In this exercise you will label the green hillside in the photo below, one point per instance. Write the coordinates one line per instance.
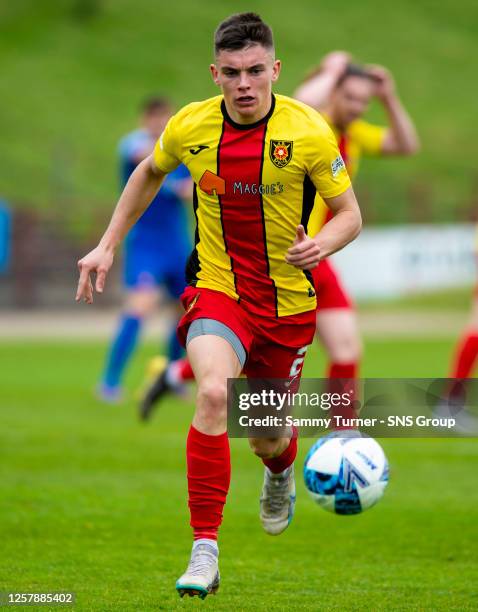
(74, 71)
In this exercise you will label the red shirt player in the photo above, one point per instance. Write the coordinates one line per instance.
(342, 91)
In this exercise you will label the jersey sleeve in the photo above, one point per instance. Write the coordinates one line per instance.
(369, 137)
(166, 152)
(324, 163)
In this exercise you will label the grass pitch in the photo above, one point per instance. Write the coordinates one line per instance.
(94, 502)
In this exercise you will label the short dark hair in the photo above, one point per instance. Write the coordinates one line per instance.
(355, 70)
(242, 30)
(154, 104)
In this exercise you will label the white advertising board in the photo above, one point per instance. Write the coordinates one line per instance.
(392, 262)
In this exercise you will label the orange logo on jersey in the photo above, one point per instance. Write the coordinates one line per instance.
(280, 152)
(212, 184)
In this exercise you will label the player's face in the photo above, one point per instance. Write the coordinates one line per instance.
(351, 99)
(155, 121)
(245, 77)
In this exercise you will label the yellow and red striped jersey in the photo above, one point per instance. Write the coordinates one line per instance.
(253, 185)
(359, 139)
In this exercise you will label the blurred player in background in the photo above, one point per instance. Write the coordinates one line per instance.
(462, 368)
(256, 160)
(467, 350)
(156, 248)
(341, 91)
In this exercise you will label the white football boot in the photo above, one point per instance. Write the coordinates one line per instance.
(277, 500)
(202, 576)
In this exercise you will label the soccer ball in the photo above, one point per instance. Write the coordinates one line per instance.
(346, 472)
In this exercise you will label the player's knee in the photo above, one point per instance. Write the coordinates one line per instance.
(346, 349)
(141, 304)
(139, 311)
(265, 448)
(212, 399)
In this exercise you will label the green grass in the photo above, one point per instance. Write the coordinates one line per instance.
(95, 503)
(70, 88)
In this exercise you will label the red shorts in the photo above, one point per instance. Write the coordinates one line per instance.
(328, 287)
(275, 348)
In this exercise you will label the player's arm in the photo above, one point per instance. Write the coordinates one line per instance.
(306, 252)
(401, 136)
(316, 90)
(345, 225)
(138, 193)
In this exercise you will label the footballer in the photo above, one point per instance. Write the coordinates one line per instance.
(342, 92)
(257, 160)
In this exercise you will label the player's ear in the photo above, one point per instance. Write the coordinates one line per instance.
(215, 73)
(276, 70)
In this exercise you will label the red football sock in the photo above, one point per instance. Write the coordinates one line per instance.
(286, 458)
(343, 370)
(209, 475)
(348, 372)
(185, 371)
(465, 357)
(179, 372)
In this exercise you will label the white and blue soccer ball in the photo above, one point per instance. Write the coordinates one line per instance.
(346, 472)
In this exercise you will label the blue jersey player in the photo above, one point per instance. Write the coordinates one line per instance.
(156, 248)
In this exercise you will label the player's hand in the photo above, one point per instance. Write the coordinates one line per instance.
(384, 83)
(305, 252)
(97, 261)
(335, 62)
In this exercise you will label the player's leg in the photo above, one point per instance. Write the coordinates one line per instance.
(175, 283)
(337, 326)
(466, 352)
(277, 501)
(139, 279)
(163, 377)
(173, 348)
(208, 458)
(338, 332)
(166, 375)
(217, 351)
(140, 302)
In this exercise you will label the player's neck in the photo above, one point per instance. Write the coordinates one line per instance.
(249, 119)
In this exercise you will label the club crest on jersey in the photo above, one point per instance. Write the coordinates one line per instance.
(280, 152)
